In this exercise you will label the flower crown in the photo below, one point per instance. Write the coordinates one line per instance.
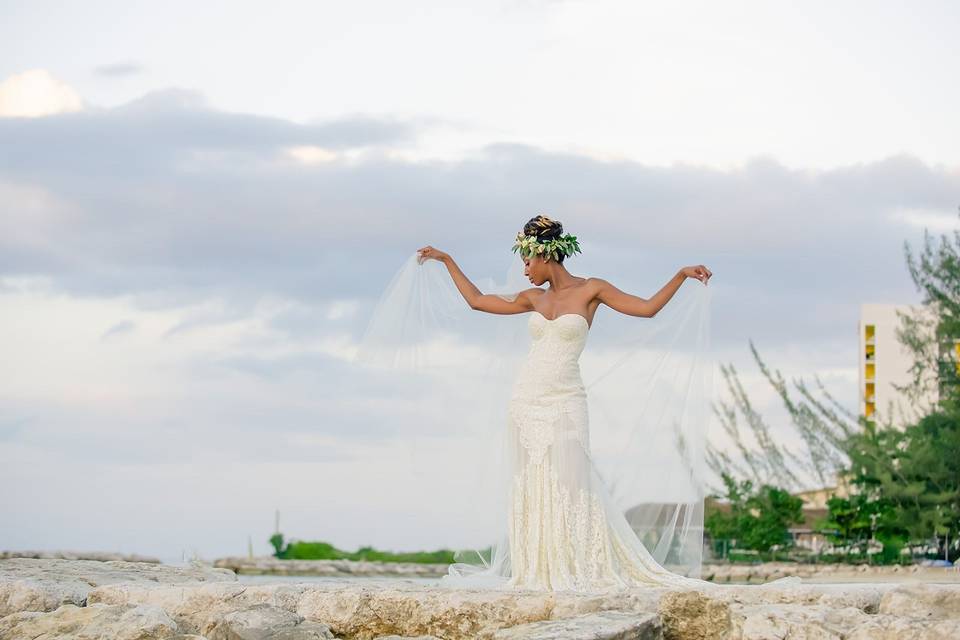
(530, 246)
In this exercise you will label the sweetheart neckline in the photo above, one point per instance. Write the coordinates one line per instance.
(579, 315)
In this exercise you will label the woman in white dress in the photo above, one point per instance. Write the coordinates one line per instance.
(563, 530)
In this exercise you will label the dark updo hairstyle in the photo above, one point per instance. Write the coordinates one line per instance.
(545, 229)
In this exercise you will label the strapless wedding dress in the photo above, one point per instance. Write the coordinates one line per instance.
(564, 531)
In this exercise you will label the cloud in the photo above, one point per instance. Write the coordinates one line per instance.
(936, 221)
(181, 206)
(118, 69)
(172, 131)
(176, 201)
(124, 326)
(310, 154)
(35, 93)
(186, 291)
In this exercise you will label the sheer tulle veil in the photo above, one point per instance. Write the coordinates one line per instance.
(649, 385)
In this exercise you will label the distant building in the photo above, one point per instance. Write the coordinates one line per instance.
(885, 362)
(817, 498)
(805, 535)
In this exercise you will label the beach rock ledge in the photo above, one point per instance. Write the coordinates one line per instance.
(54, 597)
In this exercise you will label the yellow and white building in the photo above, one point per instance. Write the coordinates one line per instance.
(885, 362)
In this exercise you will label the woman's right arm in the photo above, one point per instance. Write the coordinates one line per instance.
(489, 302)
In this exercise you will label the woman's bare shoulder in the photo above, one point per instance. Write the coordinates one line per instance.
(596, 283)
(533, 292)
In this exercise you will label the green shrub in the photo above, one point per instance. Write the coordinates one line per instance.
(304, 550)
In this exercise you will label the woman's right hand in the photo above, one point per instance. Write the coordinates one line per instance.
(428, 252)
(698, 271)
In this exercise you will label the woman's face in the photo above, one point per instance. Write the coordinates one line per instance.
(535, 269)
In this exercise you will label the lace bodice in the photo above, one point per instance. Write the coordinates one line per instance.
(552, 363)
(548, 394)
(576, 331)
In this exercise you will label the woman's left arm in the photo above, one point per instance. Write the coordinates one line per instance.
(635, 305)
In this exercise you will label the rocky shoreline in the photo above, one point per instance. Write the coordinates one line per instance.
(269, 565)
(719, 573)
(126, 600)
(101, 556)
(768, 571)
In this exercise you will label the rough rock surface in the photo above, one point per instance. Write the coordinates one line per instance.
(120, 621)
(172, 602)
(692, 615)
(718, 573)
(102, 556)
(354, 611)
(768, 571)
(28, 584)
(800, 621)
(268, 565)
(891, 628)
(922, 601)
(605, 625)
(264, 622)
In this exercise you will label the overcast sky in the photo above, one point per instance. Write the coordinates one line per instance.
(200, 203)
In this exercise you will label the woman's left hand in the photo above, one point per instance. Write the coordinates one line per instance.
(698, 271)
(428, 253)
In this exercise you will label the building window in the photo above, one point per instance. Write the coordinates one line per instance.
(870, 373)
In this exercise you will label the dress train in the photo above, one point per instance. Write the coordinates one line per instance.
(564, 531)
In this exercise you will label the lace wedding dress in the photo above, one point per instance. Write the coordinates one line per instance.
(502, 435)
(564, 531)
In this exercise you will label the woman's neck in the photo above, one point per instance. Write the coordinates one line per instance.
(560, 278)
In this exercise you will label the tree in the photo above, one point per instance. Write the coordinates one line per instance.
(773, 511)
(906, 478)
(277, 541)
(930, 332)
(854, 523)
(915, 468)
(911, 478)
(821, 424)
(755, 518)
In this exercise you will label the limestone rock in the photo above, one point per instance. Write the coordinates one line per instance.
(891, 628)
(355, 611)
(119, 622)
(605, 625)
(767, 571)
(212, 604)
(194, 606)
(931, 602)
(865, 597)
(448, 613)
(794, 621)
(264, 622)
(28, 584)
(101, 556)
(633, 599)
(269, 565)
(692, 615)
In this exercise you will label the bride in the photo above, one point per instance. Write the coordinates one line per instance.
(564, 530)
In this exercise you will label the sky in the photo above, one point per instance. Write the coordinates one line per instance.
(200, 205)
